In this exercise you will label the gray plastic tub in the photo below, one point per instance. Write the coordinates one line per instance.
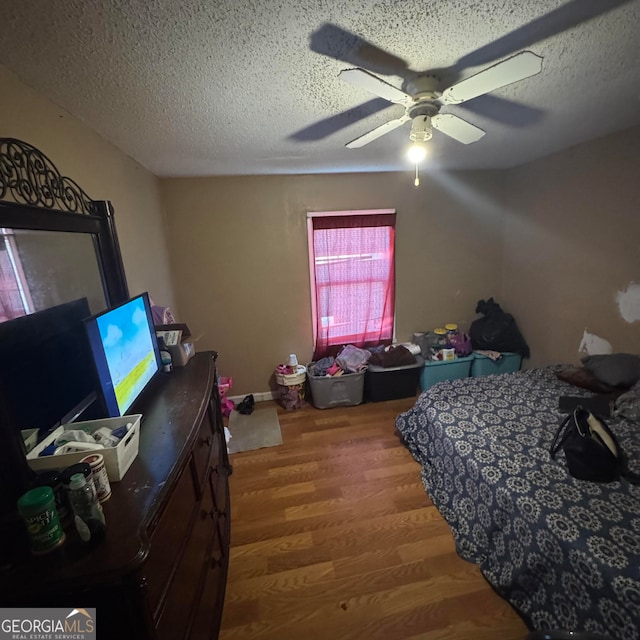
(346, 390)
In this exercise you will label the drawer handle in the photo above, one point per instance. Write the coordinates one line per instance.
(206, 441)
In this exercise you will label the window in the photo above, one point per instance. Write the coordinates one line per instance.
(15, 299)
(352, 278)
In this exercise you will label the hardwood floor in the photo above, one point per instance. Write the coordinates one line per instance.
(333, 537)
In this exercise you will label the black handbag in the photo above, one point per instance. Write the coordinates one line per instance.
(590, 448)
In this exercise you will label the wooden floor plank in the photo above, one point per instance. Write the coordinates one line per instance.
(334, 537)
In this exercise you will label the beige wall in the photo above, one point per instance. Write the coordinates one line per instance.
(554, 241)
(239, 253)
(104, 172)
(572, 242)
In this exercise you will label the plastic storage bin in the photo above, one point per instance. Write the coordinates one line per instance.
(484, 366)
(346, 390)
(117, 459)
(439, 370)
(391, 383)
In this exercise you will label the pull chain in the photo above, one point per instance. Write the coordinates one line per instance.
(416, 182)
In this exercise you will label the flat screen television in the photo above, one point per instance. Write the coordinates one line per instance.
(46, 369)
(125, 352)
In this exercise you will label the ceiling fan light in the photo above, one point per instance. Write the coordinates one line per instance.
(417, 152)
(421, 129)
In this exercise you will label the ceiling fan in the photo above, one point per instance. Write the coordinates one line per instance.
(423, 98)
(423, 94)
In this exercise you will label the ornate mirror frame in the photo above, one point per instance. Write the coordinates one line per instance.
(34, 195)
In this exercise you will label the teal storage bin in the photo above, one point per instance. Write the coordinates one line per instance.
(439, 370)
(484, 366)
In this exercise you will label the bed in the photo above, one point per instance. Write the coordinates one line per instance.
(564, 552)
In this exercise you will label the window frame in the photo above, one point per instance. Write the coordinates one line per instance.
(311, 253)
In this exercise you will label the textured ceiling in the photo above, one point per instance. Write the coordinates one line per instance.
(232, 86)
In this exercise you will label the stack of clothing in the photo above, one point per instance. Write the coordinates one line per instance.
(354, 360)
(395, 356)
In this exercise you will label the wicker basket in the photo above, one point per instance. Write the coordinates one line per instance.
(292, 379)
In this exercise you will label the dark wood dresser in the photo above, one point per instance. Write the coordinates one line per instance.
(162, 570)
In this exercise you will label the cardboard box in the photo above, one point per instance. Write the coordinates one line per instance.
(117, 460)
(180, 343)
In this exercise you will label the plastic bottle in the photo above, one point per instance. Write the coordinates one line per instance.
(88, 515)
(452, 330)
(38, 510)
(441, 342)
(52, 479)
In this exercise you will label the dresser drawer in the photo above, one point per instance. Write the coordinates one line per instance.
(168, 540)
(219, 485)
(202, 450)
(207, 619)
(183, 597)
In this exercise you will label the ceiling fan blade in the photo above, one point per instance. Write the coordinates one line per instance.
(327, 126)
(372, 83)
(569, 15)
(509, 112)
(457, 128)
(333, 41)
(377, 132)
(523, 65)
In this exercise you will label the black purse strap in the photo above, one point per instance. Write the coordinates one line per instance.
(558, 441)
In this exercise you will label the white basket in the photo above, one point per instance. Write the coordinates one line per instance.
(117, 459)
(292, 379)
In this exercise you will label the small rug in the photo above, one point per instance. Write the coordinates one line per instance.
(254, 431)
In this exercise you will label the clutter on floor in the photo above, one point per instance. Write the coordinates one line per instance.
(247, 405)
(291, 379)
(224, 386)
(392, 371)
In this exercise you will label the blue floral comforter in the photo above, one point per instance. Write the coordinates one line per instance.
(564, 552)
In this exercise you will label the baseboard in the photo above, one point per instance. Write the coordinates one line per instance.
(258, 397)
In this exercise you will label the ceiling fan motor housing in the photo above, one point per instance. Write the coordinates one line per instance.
(424, 92)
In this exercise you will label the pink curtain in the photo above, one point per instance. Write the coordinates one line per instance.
(354, 281)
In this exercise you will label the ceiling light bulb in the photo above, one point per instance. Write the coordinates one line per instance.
(417, 152)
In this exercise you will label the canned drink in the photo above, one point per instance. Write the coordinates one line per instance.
(37, 508)
(99, 474)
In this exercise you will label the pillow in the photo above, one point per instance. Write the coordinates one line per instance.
(583, 378)
(615, 369)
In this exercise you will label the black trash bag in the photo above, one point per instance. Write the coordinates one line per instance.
(497, 330)
(246, 406)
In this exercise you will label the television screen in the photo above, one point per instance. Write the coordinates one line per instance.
(125, 352)
(46, 369)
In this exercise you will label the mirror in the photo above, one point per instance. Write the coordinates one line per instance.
(68, 249)
(43, 269)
